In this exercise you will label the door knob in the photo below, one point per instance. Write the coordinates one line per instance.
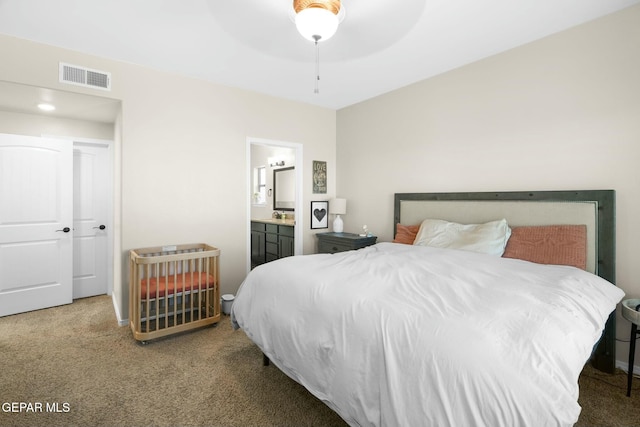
(102, 227)
(66, 229)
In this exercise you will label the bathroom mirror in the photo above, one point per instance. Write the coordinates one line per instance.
(284, 189)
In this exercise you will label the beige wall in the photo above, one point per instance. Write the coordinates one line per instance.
(182, 147)
(561, 113)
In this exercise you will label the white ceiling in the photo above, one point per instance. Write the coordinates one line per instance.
(25, 99)
(380, 46)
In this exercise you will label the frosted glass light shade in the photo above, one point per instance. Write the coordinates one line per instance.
(316, 21)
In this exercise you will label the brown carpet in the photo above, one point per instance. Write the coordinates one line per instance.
(90, 372)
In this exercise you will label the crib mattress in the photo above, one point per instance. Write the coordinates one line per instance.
(170, 285)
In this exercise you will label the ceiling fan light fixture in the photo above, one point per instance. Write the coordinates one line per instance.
(317, 20)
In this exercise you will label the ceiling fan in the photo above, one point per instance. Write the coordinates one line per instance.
(318, 20)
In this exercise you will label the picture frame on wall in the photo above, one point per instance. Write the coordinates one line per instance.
(319, 177)
(319, 214)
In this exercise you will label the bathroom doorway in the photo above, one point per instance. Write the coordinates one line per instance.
(263, 157)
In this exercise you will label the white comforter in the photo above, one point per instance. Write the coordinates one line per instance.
(400, 335)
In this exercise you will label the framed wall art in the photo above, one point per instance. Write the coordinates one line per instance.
(319, 214)
(319, 177)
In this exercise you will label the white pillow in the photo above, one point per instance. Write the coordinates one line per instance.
(489, 238)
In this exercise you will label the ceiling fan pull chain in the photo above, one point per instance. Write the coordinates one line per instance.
(316, 89)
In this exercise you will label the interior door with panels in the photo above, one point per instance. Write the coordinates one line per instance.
(36, 215)
(90, 217)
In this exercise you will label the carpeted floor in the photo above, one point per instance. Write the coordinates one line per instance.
(78, 356)
(86, 371)
(604, 400)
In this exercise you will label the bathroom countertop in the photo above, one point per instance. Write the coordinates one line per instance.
(290, 222)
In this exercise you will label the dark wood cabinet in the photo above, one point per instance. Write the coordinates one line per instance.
(270, 242)
(285, 242)
(258, 248)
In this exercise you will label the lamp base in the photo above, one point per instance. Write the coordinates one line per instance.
(338, 225)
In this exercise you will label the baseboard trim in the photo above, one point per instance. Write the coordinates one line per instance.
(121, 321)
(625, 367)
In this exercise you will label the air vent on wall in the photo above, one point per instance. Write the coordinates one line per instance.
(82, 76)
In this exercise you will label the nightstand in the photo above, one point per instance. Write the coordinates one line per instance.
(329, 243)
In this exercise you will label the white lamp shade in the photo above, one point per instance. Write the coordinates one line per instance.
(316, 21)
(338, 206)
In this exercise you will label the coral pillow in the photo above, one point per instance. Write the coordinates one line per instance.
(406, 233)
(549, 244)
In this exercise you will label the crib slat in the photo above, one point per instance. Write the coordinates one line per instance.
(175, 294)
(147, 303)
(183, 298)
(191, 274)
(170, 296)
(216, 292)
(195, 294)
(156, 299)
(183, 275)
(202, 287)
(204, 295)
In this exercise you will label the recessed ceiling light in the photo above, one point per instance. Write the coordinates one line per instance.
(46, 107)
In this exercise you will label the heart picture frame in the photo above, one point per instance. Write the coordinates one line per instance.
(319, 214)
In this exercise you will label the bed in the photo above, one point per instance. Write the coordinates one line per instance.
(405, 334)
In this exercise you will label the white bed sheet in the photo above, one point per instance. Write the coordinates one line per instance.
(400, 335)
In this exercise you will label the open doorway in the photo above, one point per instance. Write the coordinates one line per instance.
(263, 157)
(92, 120)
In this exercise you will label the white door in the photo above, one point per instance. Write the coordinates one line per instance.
(36, 236)
(90, 219)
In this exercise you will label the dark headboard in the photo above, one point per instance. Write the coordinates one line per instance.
(600, 202)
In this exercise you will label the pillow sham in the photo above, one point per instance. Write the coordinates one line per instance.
(489, 238)
(406, 234)
(549, 244)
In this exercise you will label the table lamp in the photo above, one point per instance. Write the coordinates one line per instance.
(338, 207)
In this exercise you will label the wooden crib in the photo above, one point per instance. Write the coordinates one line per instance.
(173, 289)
